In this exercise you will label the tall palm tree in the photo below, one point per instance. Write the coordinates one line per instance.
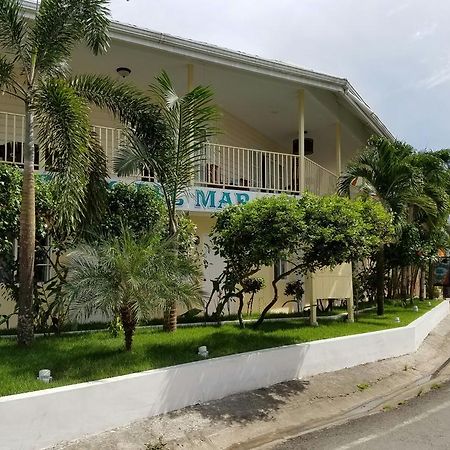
(189, 121)
(384, 171)
(35, 69)
(433, 223)
(130, 277)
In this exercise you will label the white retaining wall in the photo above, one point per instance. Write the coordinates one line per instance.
(39, 419)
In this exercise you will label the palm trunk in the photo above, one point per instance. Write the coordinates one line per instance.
(129, 322)
(25, 332)
(430, 281)
(404, 284)
(422, 284)
(170, 311)
(380, 281)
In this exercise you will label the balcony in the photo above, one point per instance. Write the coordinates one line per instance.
(222, 166)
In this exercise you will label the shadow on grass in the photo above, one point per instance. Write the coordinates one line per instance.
(247, 407)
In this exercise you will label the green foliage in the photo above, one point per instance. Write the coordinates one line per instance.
(10, 199)
(309, 232)
(339, 230)
(189, 123)
(131, 277)
(258, 234)
(294, 289)
(318, 231)
(252, 285)
(137, 207)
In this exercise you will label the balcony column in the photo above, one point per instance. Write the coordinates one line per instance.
(190, 77)
(301, 138)
(338, 149)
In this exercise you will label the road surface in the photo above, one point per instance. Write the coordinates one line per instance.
(421, 423)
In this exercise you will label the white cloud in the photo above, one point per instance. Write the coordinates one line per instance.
(425, 32)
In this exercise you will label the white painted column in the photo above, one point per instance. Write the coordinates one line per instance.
(301, 137)
(313, 304)
(338, 149)
(350, 311)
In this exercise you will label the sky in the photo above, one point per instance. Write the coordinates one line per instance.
(396, 53)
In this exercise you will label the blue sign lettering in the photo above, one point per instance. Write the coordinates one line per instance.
(207, 201)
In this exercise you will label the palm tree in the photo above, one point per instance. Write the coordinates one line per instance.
(131, 277)
(189, 121)
(384, 171)
(35, 69)
(433, 222)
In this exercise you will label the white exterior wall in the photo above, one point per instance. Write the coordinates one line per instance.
(39, 419)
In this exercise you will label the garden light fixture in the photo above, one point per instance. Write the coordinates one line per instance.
(45, 376)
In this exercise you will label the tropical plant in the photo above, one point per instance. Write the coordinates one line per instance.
(130, 277)
(34, 68)
(189, 121)
(414, 188)
(383, 171)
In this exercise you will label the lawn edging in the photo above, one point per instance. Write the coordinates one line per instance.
(43, 418)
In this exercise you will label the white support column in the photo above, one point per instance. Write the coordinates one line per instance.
(313, 303)
(350, 309)
(301, 137)
(338, 149)
(190, 77)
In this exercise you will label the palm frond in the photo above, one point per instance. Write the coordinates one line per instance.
(6, 74)
(12, 27)
(142, 272)
(125, 102)
(189, 122)
(60, 25)
(64, 134)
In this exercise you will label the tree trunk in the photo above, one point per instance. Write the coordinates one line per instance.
(170, 316)
(269, 306)
(380, 281)
(129, 322)
(170, 312)
(390, 284)
(25, 332)
(422, 284)
(404, 284)
(430, 281)
(240, 296)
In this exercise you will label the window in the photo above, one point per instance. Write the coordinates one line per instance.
(279, 268)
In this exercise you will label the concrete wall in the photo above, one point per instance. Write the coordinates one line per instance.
(39, 419)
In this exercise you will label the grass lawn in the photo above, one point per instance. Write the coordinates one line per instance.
(86, 357)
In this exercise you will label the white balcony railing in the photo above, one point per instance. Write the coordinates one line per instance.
(222, 166)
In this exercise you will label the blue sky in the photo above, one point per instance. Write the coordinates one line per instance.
(395, 52)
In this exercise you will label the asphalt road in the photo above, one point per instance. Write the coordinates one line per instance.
(421, 423)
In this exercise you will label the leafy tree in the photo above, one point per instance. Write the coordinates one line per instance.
(34, 68)
(310, 233)
(130, 277)
(189, 120)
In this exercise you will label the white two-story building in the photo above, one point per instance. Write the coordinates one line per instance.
(283, 128)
